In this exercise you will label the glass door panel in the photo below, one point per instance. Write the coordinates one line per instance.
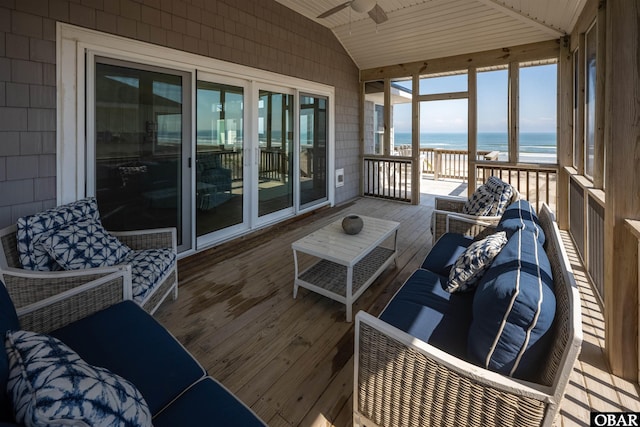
(219, 157)
(140, 138)
(275, 152)
(313, 150)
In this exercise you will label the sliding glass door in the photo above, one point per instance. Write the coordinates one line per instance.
(220, 170)
(141, 143)
(242, 169)
(313, 150)
(275, 152)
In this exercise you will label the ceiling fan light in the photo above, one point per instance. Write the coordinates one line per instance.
(363, 6)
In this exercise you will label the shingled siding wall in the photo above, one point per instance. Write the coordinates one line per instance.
(256, 33)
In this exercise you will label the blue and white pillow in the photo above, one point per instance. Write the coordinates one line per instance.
(480, 203)
(474, 261)
(148, 266)
(32, 229)
(50, 385)
(84, 244)
(503, 193)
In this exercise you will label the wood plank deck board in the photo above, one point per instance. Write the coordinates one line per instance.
(291, 360)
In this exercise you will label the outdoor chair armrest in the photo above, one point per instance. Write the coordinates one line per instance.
(44, 304)
(470, 225)
(450, 203)
(148, 239)
(402, 381)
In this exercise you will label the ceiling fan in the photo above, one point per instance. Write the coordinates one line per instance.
(361, 6)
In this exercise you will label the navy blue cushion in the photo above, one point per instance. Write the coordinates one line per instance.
(129, 342)
(207, 403)
(520, 215)
(423, 309)
(8, 322)
(445, 252)
(513, 309)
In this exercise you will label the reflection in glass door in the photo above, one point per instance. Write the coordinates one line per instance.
(219, 157)
(140, 137)
(313, 150)
(275, 161)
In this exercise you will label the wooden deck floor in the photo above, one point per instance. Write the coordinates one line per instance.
(291, 360)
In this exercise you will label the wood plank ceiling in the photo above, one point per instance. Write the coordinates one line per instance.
(425, 29)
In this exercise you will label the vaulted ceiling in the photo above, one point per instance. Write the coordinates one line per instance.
(417, 30)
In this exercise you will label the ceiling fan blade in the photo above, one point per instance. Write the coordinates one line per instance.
(378, 15)
(334, 10)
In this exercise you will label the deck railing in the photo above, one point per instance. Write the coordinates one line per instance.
(586, 226)
(387, 178)
(274, 164)
(450, 164)
(535, 183)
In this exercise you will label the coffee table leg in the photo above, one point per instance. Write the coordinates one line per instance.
(295, 280)
(395, 249)
(349, 292)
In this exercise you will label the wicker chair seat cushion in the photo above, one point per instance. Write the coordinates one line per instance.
(520, 215)
(148, 266)
(194, 408)
(513, 309)
(51, 385)
(126, 340)
(32, 229)
(84, 244)
(445, 253)
(474, 261)
(8, 322)
(423, 309)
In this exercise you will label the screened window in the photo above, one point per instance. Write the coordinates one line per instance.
(590, 101)
(537, 138)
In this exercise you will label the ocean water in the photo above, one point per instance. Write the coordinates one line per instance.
(530, 142)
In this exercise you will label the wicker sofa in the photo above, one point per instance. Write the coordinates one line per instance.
(499, 355)
(95, 321)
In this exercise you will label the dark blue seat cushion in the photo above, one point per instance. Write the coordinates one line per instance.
(520, 215)
(445, 252)
(129, 342)
(513, 309)
(423, 309)
(207, 403)
(8, 322)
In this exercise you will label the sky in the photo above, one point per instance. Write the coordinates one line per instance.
(537, 103)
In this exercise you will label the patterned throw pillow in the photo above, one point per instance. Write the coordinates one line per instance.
(49, 384)
(148, 266)
(33, 228)
(84, 244)
(474, 261)
(502, 191)
(480, 203)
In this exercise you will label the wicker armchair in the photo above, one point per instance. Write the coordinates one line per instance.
(400, 380)
(27, 287)
(46, 305)
(448, 217)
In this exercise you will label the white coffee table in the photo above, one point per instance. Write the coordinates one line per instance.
(347, 264)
